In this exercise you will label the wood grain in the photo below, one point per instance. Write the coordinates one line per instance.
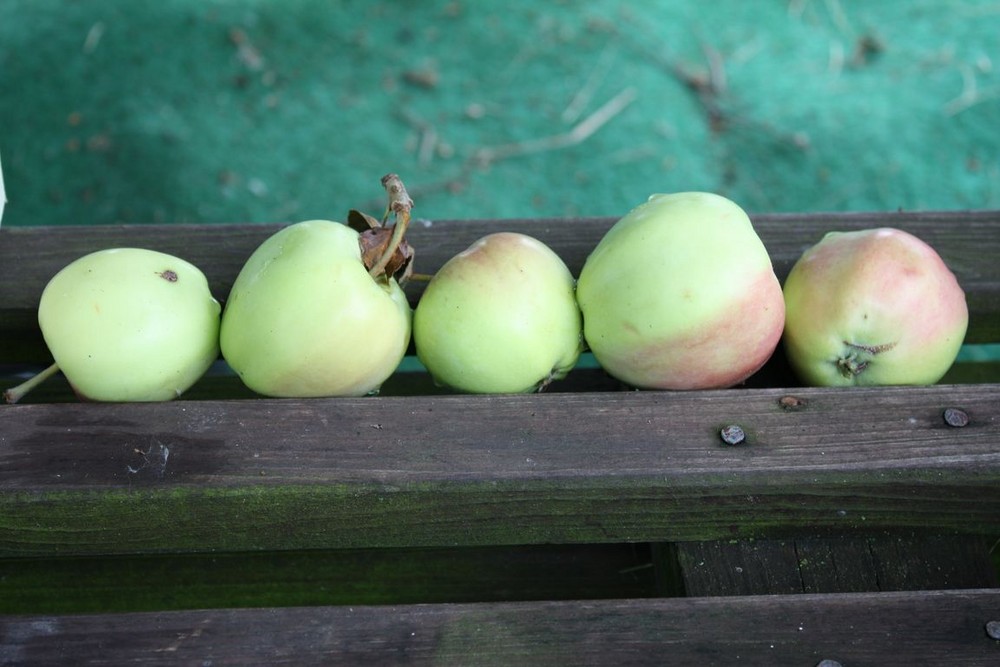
(480, 470)
(888, 629)
(836, 564)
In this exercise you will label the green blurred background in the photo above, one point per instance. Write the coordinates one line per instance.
(129, 111)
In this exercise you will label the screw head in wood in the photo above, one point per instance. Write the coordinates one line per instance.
(956, 417)
(993, 630)
(733, 434)
(828, 663)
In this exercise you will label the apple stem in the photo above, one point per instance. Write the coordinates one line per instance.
(14, 394)
(400, 205)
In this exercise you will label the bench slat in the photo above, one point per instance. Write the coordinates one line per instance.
(493, 470)
(935, 628)
(840, 564)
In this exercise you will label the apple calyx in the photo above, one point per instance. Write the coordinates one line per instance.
(384, 250)
(859, 357)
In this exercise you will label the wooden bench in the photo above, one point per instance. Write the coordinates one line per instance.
(585, 525)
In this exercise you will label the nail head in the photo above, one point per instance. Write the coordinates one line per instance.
(733, 434)
(993, 629)
(956, 417)
(828, 663)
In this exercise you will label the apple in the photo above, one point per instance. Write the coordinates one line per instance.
(872, 307)
(305, 318)
(499, 317)
(680, 293)
(128, 324)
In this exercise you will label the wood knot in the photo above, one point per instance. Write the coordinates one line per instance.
(792, 402)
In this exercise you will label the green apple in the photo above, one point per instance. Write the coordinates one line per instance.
(129, 324)
(680, 294)
(305, 318)
(499, 317)
(873, 307)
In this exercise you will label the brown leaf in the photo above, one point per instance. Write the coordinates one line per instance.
(361, 222)
(373, 245)
(400, 265)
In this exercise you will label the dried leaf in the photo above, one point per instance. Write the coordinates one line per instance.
(404, 276)
(400, 265)
(361, 222)
(374, 243)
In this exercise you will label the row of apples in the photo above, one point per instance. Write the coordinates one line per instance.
(679, 294)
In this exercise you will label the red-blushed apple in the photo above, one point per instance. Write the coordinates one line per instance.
(873, 307)
(499, 317)
(681, 294)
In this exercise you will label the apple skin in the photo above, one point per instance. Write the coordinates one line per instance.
(681, 294)
(305, 319)
(872, 307)
(130, 324)
(499, 317)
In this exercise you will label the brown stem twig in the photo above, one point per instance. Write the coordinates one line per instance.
(400, 206)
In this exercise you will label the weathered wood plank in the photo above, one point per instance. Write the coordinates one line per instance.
(969, 241)
(885, 629)
(481, 470)
(741, 567)
(836, 564)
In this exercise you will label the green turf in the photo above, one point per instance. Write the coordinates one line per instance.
(227, 110)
